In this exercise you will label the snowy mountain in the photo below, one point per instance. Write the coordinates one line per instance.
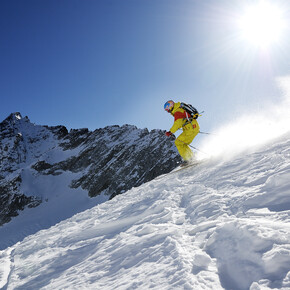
(223, 224)
(63, 173)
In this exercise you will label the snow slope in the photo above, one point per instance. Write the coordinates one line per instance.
(48, 174)
(221, 225)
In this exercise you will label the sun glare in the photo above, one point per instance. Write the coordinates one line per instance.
(262, 24)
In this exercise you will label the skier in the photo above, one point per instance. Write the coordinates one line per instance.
(189, 125)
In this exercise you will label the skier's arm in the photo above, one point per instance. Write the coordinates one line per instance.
(177, 124)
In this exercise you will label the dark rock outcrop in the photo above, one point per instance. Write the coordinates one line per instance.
(107, 161)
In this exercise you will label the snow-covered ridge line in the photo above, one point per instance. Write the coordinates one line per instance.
(66, 172)
(220, 225)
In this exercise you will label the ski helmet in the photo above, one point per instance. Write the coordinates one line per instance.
(168, 106)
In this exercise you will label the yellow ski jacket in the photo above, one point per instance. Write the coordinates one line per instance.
(180, 118)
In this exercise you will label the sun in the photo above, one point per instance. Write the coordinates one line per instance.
(262, 24)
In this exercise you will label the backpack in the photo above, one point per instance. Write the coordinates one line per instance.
(192, 111)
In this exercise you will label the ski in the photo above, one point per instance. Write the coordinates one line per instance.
(184, 167)
(179, 168)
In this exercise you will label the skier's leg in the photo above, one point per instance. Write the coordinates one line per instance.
(182, 146)
(184, 139)
(184, 150)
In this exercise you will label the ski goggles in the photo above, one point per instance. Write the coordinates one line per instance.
(168, 106)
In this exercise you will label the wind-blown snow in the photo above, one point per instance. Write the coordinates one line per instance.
(252, 127)
(220, 225)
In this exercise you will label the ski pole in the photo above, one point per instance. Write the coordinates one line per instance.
(208, 133)
(195, 148)
(192, 147)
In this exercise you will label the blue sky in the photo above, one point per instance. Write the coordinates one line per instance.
(93, 63)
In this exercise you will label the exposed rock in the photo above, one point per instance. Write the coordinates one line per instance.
(12, 201)
(107, 161)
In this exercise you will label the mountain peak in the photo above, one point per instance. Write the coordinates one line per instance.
(17, 115)
(14, 118)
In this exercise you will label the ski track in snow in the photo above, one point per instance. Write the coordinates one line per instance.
(220, 225)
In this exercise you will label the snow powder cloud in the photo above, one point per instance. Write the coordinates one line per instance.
(253, 128)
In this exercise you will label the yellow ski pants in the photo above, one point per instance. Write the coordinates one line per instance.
(185, 138)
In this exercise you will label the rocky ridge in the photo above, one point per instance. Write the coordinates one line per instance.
(106, 162)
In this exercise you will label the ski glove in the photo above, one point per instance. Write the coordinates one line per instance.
(169, 134)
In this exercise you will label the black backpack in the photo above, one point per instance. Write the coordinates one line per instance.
(192, 111)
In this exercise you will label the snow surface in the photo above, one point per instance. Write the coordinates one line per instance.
(221, 225)
(64, 189)
(60, 200)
